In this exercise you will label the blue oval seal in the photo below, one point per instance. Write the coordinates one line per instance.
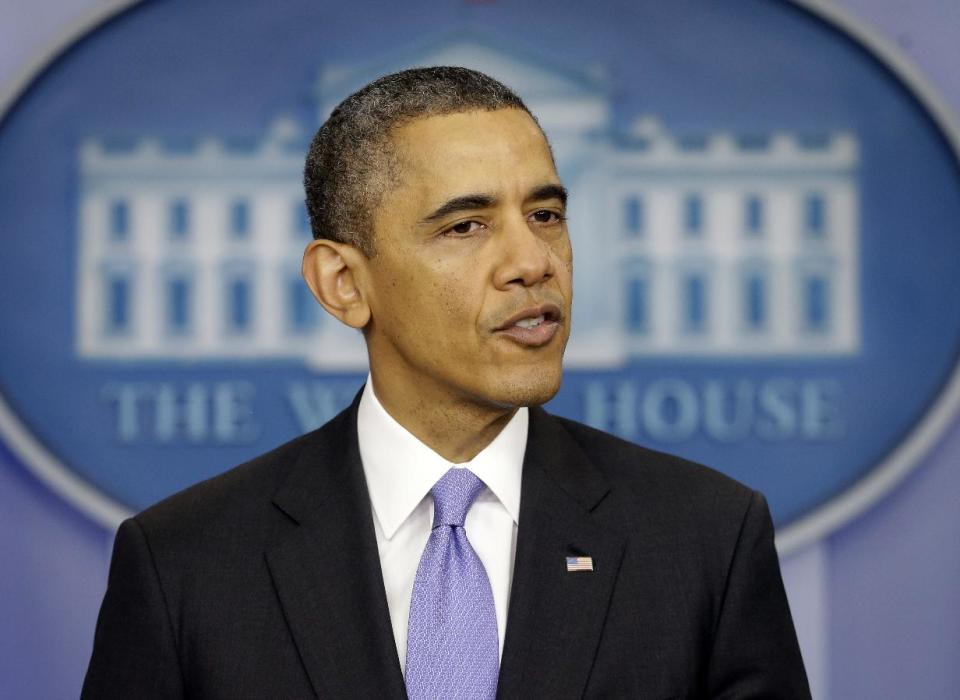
(763, 212)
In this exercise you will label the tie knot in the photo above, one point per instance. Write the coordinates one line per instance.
(453, 495)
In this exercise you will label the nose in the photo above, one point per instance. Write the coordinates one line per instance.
(525, 258)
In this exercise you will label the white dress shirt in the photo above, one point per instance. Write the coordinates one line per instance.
(400, 471)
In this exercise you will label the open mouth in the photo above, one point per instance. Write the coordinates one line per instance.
(534, 326)
(533, 317)
(531, 322)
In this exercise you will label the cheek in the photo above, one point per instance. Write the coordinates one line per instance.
(455, 309)
(564, 255)
(439, 306)
(435, 301)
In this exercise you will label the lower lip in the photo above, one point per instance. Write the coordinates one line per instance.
(532, 337)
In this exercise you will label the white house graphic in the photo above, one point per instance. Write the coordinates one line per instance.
(709, 245)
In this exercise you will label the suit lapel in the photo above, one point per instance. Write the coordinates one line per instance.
(556, 617)
(326, 570)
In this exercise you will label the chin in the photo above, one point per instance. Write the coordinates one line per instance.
(531, 388)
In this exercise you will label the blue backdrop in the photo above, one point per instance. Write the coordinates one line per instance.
(875, 602)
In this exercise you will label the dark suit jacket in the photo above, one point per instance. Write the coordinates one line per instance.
(265, 582)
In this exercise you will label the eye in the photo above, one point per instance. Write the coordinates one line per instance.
(464, 228)
(546, 216)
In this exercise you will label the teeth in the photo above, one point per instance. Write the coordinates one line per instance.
(530, 322)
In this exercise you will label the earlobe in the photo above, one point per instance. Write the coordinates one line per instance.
(332, 270)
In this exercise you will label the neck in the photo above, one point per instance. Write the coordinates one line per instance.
(456, 428)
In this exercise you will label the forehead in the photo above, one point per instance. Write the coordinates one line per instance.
(477, 151)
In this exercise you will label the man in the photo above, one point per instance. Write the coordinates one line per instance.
(552, 561)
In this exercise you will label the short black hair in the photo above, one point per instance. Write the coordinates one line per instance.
(350, 163)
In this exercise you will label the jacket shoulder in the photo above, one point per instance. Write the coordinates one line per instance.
(238, 502)
(233, 491)
(624, 462)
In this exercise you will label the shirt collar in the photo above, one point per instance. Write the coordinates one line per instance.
(400, 470)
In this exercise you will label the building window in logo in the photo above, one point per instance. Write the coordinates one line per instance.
(695, 302)
(693, 214)
(638, 298)
(240, 218)
(239, 304)
(119, 220)
(815, 294)
(179, 219)
(815, 216)
(179, 294)
(633, 216)
(753, 215)
(755, 292)
(119, 293)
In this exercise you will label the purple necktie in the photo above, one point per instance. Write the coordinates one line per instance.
(452, 643)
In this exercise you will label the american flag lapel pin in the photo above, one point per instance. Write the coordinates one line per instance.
(579, 563)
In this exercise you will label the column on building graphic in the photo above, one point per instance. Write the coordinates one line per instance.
(194, 252)
(735, 246)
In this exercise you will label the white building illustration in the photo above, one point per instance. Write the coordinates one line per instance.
(711, 245)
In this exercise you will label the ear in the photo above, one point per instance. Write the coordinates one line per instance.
(333, 271)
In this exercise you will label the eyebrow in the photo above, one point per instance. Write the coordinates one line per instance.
(480, 200)
(467, 202)
(551, 191)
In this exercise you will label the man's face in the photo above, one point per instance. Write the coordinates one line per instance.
(470, 288)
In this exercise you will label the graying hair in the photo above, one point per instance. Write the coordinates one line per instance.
(351, 164)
